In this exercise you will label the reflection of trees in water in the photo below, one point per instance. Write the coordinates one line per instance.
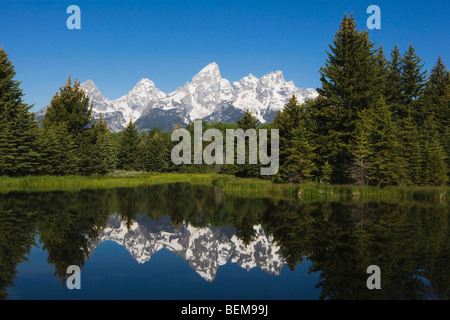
(17, 233)
(68, 222)
(410, 242)
(63, 221)
(405, 241)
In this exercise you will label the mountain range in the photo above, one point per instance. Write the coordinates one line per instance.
(205, 249)
(207, 97)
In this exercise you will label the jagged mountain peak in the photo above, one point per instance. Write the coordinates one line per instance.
(96, 98)
(145, 82)
(210, 68)
(145, 87)
(208, 75)
(205, 249)
(207, 96)
(89, 84)
(248, 81)
(90, 87)
(276, 76)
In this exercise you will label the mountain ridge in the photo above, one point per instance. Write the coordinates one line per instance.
(207, 96)
(204, 249)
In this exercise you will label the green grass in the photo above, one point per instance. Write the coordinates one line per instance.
(233, 186)
(76, 183)
(315, 191)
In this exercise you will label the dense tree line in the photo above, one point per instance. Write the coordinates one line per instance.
(377, 121)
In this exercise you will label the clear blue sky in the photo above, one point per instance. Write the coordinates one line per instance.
(169, 41)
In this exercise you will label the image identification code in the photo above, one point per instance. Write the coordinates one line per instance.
(230, 309)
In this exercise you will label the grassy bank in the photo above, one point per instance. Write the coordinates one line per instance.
(315, 191)
(76, 183)
(230, 185)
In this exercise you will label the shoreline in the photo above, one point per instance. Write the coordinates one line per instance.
(248, 187)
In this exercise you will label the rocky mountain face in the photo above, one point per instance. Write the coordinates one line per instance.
(207, 97)
(205, 249)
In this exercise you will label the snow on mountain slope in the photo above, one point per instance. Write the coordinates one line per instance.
(205, 249)
(109, 111)
(208, 96)
(198, 98)
(143, 95)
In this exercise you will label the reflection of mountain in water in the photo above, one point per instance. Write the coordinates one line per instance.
(204, 248)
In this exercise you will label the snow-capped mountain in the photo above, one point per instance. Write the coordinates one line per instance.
(208, 96)
(205, 249)
(198, 97)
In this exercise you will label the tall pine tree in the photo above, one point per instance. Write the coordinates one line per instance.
(361, 151)
(386, 163)
(157, 154)
(18, 129)
(299, 164)
(128, 152)
(436, 97)
(352, 80)
(246, 122)
(393, 92)
(435, 166)
(411, 150)
(58, 154)
(70, 107)
(97, 150)
(412, 83)
(71, 110)
(436, 101)
(383, 71)
(286, 121)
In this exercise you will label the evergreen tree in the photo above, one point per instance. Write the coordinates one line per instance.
(352, 80)
(299, 164)
(157, 154)
(247, 122)
(171, 167)
(70, 107)
(411, 150)
(127, 157)
(378, 159)
(383, 70)
(393, 92)
(386, 163)
(18, 129)
(412, 82)
(351, 76)
(286, 121)
(446, 145)
(326, 172)
(296, 152)
(107, 149)
(97, 150)
(58, 154)
(362, 153)
(143, 152)
(436, 98)
(435, 166)
(436, 103)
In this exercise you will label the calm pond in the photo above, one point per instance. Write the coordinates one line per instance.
(180, 241)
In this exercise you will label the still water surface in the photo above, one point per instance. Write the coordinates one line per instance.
(180, 241)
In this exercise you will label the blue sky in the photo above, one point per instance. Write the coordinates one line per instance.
(169, 41)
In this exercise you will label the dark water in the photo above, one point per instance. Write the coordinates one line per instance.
(180, 241)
